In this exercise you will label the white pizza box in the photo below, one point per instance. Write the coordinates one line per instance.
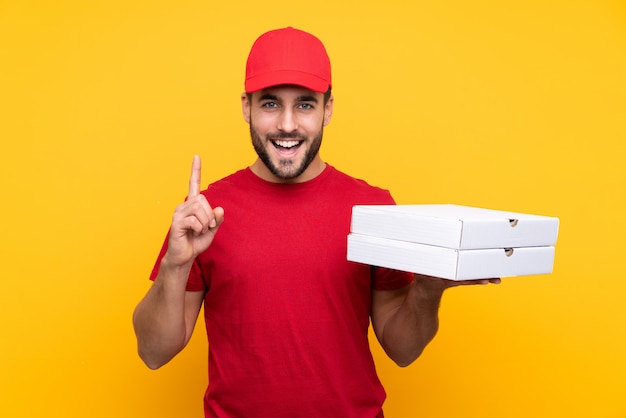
(455, 226)
(450, 263)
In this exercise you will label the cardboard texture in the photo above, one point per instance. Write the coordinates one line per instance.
(454, 226)
(453, 242)
(450, 263)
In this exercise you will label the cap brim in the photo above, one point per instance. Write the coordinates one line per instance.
(277, 78)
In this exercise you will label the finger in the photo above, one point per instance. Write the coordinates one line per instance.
(218, 212)
(197, 207)
(194, 180)
(480, 281)
(193, 224)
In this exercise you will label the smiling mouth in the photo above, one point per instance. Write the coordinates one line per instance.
(286, 147)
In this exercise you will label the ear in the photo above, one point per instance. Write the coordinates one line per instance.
(328, 110)
(245, 107)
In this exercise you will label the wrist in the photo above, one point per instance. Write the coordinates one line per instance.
(170, 269)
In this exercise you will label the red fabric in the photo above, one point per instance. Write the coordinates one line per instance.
(286, 314)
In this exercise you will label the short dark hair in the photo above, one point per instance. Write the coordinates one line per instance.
(327, 95)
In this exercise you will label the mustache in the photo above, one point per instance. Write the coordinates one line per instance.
(286, 135)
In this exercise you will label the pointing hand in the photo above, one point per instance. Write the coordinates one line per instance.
(194, 223)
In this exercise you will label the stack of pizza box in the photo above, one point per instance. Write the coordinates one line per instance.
(452, 241)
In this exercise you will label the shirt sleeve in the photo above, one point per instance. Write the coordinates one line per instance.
(388, 279)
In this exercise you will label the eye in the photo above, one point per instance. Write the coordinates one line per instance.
(305, 106)
(270, 105)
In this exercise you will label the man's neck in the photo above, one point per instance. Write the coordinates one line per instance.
(314, 169)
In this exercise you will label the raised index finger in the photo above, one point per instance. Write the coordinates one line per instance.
(194, 180)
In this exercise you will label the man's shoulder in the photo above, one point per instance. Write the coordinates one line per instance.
(237, 177)
(228, 186)
(360, 187)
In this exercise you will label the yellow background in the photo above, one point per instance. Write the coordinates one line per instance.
(514, 105)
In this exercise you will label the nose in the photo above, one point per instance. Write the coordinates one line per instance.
(288, 121)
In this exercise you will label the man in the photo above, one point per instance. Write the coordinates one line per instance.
(286, 314)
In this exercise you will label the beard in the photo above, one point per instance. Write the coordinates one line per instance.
(285, 168)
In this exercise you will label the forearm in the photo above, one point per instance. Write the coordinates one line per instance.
(413, 325)
(159, 319)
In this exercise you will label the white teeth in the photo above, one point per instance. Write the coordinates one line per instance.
(287, 144)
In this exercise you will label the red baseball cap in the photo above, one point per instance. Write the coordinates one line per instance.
(288, 56)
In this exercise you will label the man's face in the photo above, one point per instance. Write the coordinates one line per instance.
(286, 127)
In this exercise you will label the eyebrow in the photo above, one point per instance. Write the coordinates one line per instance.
(304, 98)
(307, 99)
(268, 96)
